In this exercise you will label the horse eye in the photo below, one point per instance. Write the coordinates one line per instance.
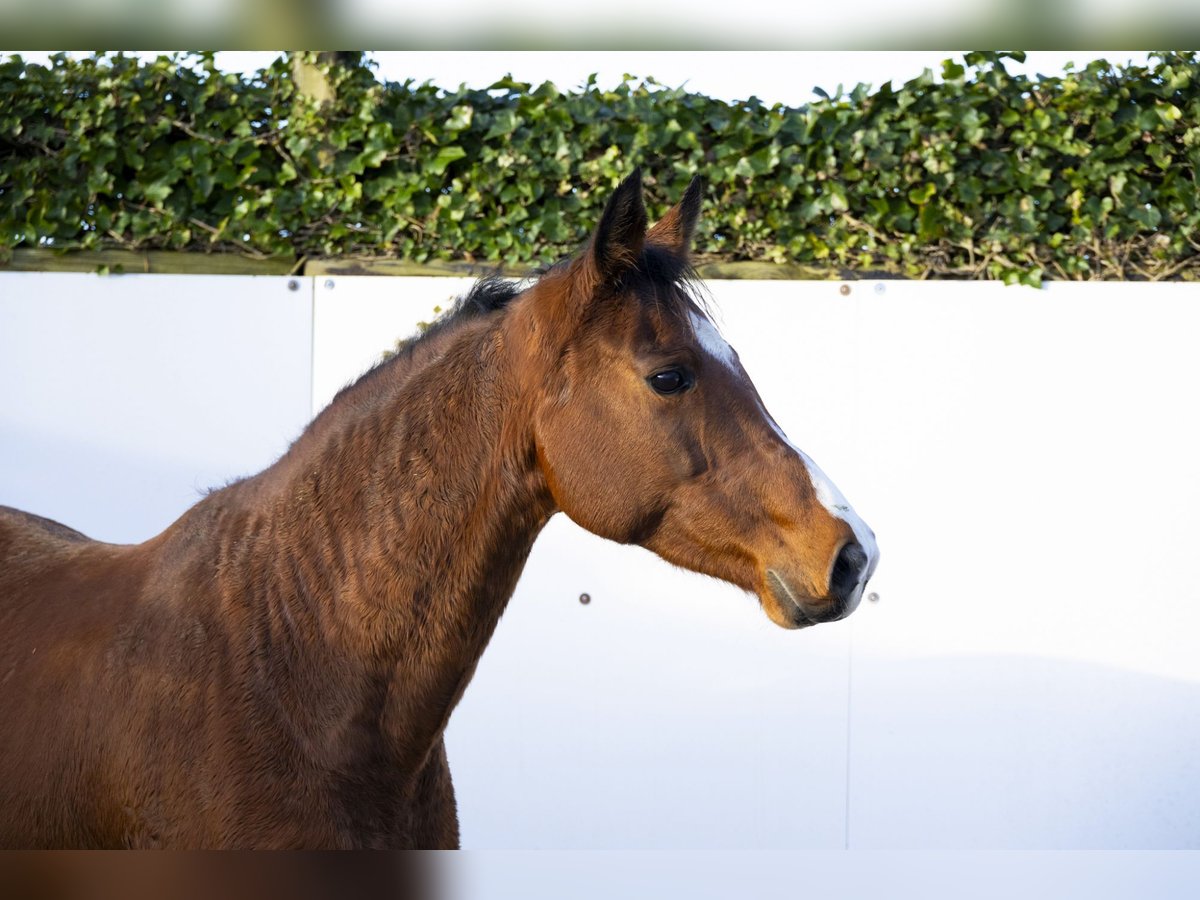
(669, 381)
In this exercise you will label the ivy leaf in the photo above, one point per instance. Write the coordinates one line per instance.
(504, 122)
(157, 192)
(370, 159)
(952, 71)
(922, 194)
(444, 157)
(460, 118)
(1116, 184)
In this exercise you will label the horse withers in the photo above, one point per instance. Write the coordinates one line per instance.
(277, 668)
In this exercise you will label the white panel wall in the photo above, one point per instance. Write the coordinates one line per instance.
(1029, 679)
(123, 398)
(357, 320)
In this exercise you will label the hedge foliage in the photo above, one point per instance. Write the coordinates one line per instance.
(1092, 174)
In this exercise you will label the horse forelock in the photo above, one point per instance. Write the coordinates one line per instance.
(660, 280)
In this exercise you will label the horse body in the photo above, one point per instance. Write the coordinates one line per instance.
(277, 668)
(150, 712)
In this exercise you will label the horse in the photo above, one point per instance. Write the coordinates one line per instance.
(277, 668)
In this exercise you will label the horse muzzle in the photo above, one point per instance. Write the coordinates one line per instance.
(795, 608)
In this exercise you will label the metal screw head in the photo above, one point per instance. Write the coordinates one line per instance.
(585, 599)
(879, 288)
(293, 284)
(329, 284)
(873, 597)
(844, 290)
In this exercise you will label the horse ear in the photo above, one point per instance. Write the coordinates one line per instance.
(617, 243)
(675, 230)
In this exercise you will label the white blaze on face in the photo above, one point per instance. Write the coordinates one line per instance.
(712, 343)
(827, 493)
(831, 498)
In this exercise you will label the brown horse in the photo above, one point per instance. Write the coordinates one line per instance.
(277, 668)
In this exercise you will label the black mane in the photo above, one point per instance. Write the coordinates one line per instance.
(493, 294)
(486, 295)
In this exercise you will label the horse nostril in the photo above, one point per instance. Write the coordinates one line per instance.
(847, 570)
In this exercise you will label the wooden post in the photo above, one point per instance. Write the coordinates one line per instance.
(311, 81)
(309, 73)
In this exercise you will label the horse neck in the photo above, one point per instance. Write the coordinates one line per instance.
(394, 534)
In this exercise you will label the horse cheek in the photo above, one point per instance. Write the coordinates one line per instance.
(588, 474)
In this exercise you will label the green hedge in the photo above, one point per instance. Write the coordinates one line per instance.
(982, 174)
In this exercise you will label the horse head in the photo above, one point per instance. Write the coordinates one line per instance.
(648, 431)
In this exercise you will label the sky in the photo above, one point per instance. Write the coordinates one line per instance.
(782, 76)
(774, 76)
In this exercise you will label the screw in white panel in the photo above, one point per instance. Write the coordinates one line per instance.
(873, 597)
(329, 284)
(879, 288)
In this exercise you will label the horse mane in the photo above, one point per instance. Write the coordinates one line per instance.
(489, 295)
(493, 294)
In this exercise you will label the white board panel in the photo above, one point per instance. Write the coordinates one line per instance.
(356, 320)
(1030, 678)
(779, 875)
(667, 713)
(124, 397)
